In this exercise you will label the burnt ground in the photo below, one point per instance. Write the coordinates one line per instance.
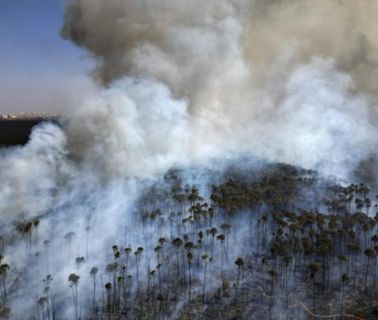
(16, 132)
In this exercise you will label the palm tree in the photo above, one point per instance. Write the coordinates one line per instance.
(73, 280)
(162, 241)
(353, 249)
(341, 259)
(151, 274)
(211, 214)
(374, 239)
(205, 259)
(4, 268)
(157, 249)
(112, 269)
(369, 254)
(41, 302)
(120, 283)
(47, 244)
(194, 196)
(108, 288)
(221, 238)
(273, 274)
(47, 292)
(344, 280)
(226, 228)
(189, 246)
(138, 254)
(190, 257)
(2, 245)
(79, 261)
(314, 268)
(115, 249)
(128, 250)
(287, 260)
(93, 274)
(213, 231)
(177, 243)
(240, 264)
(87, 229)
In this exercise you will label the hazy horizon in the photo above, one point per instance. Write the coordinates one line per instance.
(40, 72)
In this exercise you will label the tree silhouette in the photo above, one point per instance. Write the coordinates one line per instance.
(205, 258)
(222, 238)
(240, 264)
(369, 254)
(213, 231)
(4, 269)
(138, 254)
(273, 274)
(314, 268)
(189, 257)
(108, 288)
(87, 230)
(42, 302)
(48, 296)
(177, 243)
(73, 280)
(93, 274)
(344, 280)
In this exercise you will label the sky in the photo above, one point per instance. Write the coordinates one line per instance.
(39, 71)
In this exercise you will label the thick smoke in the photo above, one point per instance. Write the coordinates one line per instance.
(135, 121)
(289, 80)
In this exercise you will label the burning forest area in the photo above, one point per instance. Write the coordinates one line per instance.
(219, 161)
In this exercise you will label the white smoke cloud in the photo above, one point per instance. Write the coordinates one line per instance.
(30, 174)
(275, 79)
(137, 122)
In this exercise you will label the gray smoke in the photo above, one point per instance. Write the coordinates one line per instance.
(292, 81)
(187, 43)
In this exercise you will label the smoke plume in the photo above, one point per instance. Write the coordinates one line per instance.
(289, 80)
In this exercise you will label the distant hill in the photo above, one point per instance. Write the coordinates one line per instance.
(27, 116)
(15, 129)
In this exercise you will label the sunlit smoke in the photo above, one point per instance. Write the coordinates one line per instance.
(285, 80)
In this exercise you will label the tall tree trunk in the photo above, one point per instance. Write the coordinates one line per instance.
(237, 286)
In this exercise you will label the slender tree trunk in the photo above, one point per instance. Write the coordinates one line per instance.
(342, 302)
(178, 263)
(374, 271)
(366, 274)
(271, 301)
(77, 303)
(94, 295)
(204, 285)
(190, 279)
(313, 294)
(237, 286)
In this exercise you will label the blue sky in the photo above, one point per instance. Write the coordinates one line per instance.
(39, 71)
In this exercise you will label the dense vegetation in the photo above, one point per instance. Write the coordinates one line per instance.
(248, 242)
